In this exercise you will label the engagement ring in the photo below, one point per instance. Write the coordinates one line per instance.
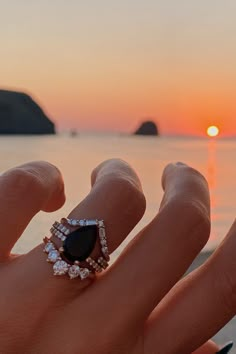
(71, 244)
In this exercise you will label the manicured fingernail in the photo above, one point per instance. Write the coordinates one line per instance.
(226, 348)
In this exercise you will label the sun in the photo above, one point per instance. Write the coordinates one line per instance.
(213, 131)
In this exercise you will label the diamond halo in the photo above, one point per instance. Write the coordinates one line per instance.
(73, 267)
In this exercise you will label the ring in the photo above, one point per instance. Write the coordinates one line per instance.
(71, 244)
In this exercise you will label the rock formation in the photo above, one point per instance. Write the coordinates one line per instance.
(147, 128)
(19, 114)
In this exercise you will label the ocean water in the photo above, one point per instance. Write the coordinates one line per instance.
(77, 156)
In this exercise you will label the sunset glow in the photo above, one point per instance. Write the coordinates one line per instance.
(213, 131)
(107, 65)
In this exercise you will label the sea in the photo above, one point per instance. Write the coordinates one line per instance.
(76, 156)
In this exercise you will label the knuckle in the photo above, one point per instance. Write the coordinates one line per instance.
(197, 178)
(24, 179)
(122, 185)
(199, 221)
(106, 167)
(193, 220)
(187, 172)
(132, 197)
(33, 176)
(192, 172)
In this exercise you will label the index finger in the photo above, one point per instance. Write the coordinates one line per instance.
(25, 190)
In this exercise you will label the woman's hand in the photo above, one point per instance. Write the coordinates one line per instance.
(139, 305)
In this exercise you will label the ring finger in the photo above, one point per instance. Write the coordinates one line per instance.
(117, 198)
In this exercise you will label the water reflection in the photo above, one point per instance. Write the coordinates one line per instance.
(211, 166)
(77, 157)
(212, 179)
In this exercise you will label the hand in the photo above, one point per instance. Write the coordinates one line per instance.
(139, 305)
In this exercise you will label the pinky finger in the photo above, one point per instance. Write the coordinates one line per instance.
(208, 348)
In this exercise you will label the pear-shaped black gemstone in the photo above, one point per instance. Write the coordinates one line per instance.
(80, 243)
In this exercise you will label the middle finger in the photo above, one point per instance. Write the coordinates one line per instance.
(162, 252)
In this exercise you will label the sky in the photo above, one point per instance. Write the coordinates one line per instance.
(106, 65)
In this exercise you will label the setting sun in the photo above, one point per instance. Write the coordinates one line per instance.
(213, 131)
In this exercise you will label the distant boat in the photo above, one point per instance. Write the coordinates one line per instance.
(73, 133)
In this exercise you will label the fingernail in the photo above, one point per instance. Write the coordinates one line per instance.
(226, 348)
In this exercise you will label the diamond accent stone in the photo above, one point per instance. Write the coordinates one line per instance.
(103, 242)
(91, 222)
(105, 250)
(73, 222)
(60, 268)
(49, 247)
(84, 273)
(102, 233)
(53, 256)
(101, 223)
(74, 271)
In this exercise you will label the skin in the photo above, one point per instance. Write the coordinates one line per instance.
(140, 305)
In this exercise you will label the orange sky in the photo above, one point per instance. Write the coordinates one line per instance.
(105, 65)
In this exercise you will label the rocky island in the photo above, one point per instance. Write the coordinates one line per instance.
(20, 114)
(147, 128)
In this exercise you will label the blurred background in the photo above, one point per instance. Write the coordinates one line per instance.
(148, 81)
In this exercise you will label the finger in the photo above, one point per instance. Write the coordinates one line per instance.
(208, 348)
(117, 198)
(205, 300)
(25, 190)
(161, 253)
(182, 181)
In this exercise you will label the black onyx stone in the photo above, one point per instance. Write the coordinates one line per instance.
(80, 243)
